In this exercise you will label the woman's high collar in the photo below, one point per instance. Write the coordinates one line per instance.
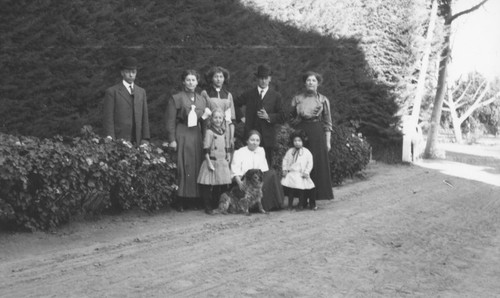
(217, 88)
(311, 92)
(189, 92)
(254, 151)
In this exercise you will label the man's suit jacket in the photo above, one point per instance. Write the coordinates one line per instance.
(117, 112)
(273, 105)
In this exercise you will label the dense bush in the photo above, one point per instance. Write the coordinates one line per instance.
(350, 153)
(45, 182)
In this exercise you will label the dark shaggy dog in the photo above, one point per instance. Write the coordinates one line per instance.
(238, 200)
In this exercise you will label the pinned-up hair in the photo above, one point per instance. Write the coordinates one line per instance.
(312, 73)
(253, 132)
(188, 72)
(216, 69)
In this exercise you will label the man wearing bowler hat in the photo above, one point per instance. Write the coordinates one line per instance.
(264, 109)
(125, 107)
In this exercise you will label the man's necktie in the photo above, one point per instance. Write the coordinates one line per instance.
(262, 94)
(133, 138)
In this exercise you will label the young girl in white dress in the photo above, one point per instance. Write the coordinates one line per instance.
(214, 174)
(297, 165)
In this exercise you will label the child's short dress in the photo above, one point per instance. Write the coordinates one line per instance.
(215, 144)
(297, 162)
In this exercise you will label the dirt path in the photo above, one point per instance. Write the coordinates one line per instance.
(405, 231)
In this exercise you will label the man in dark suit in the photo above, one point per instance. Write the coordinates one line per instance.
(125, 107)
(264, 109)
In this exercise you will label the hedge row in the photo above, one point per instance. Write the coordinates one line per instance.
(47, 182)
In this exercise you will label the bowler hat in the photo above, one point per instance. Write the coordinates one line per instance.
(263, 71)
(129, 63)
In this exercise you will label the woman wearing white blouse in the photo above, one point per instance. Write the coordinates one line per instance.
(254, 157)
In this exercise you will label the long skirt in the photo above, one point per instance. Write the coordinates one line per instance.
(272, 192)
(189, 158)
(320, 173)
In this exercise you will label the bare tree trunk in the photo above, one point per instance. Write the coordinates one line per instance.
(419, 92)
(455, 119)
(410, 122)
(431, 150)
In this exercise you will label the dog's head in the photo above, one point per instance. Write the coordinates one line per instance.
(254, 176)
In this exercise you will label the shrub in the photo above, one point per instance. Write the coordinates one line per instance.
(350, 153)
(45, 182)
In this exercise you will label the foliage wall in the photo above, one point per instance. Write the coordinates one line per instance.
(47, 182)
(58, 57)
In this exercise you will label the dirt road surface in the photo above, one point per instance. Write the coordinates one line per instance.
(431, 229)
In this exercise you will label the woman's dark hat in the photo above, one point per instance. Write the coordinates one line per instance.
(128, 63)
(263, 71)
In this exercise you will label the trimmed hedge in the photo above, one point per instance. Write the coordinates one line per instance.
(46, 182)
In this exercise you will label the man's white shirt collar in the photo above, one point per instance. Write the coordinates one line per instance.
(264, 90)
(127, 86)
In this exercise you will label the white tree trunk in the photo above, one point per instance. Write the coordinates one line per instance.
(455, 119)
(419, 92)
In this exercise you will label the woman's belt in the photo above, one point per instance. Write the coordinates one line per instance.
(213, 158)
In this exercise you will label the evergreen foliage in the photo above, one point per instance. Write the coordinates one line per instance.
(58, 57)
(47, 182)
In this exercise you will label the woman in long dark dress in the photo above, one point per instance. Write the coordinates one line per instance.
(253, 156)
(185, 114)
(311, 113)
